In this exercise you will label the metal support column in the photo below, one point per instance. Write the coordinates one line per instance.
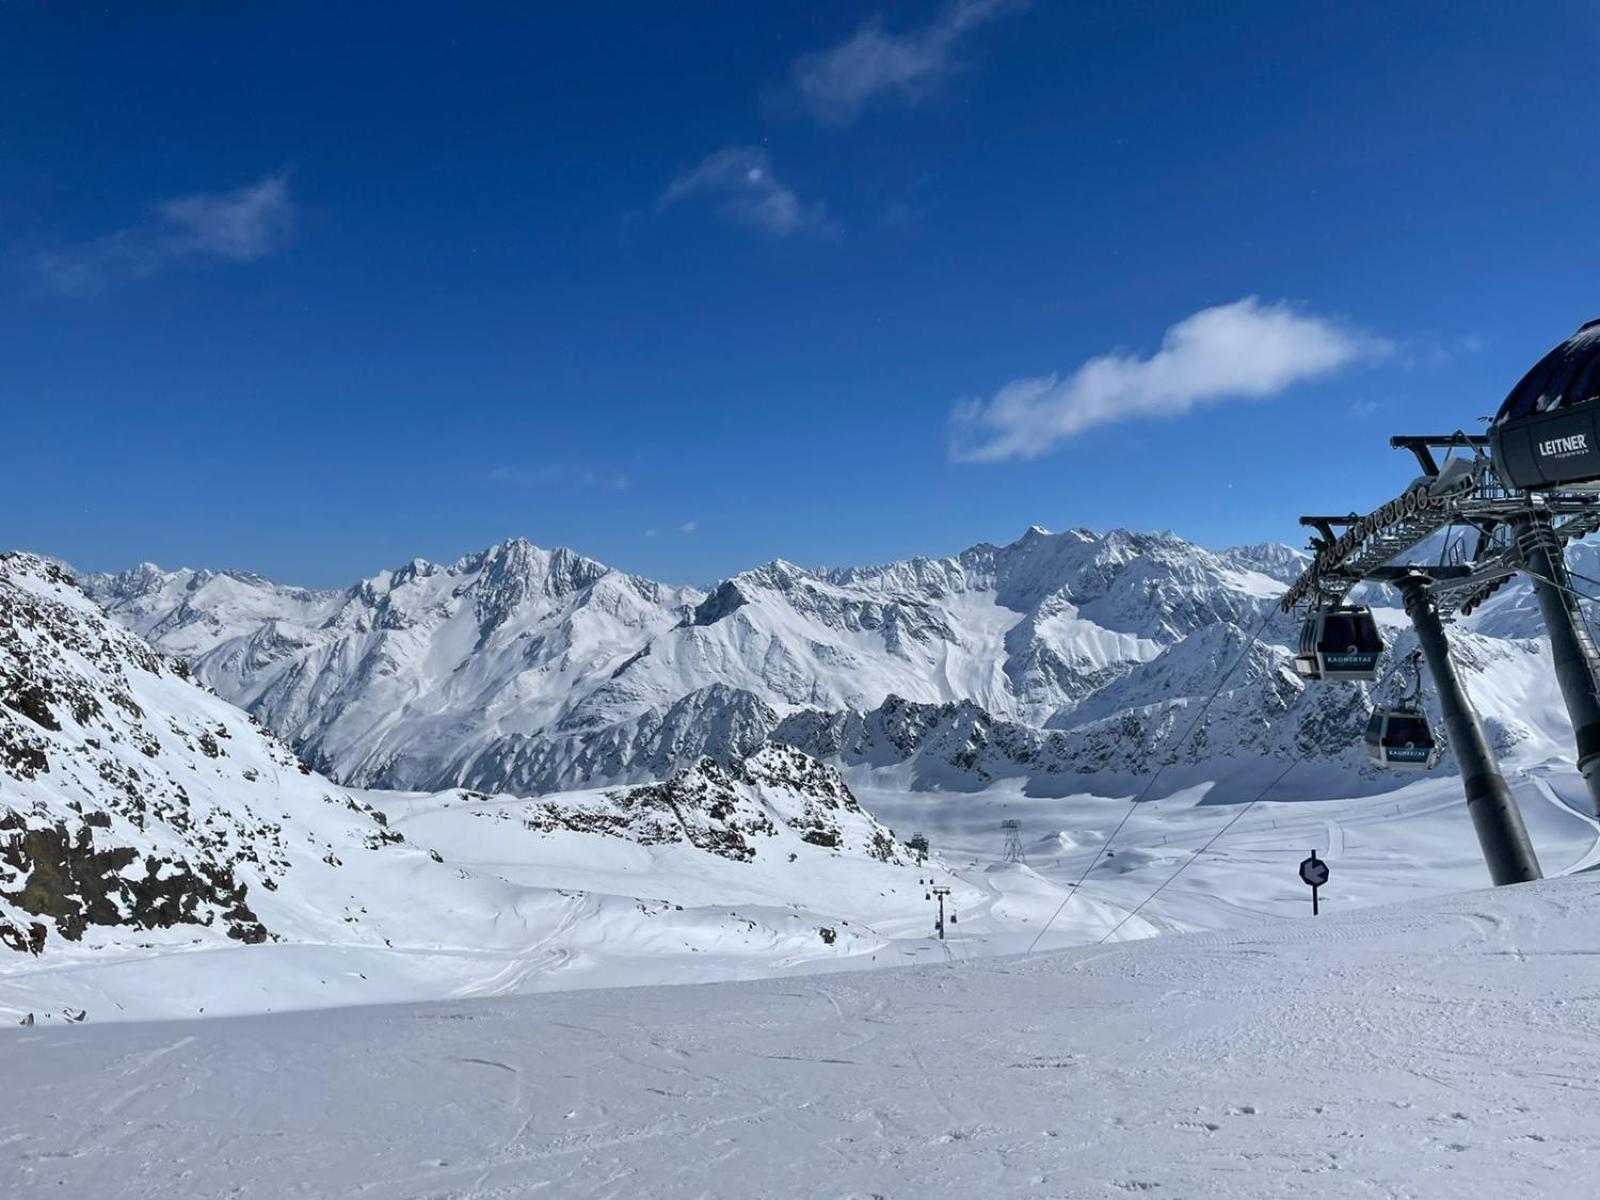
(1577, 661)
(1495, 815)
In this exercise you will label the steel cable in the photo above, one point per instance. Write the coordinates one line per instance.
(1155, 775)
(1183, 866)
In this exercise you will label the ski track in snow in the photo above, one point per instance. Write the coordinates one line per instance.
(1409, 844)
(741, 921)
(1434, 1049)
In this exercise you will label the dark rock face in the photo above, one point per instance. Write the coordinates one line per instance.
(67, 708)
(725, 601)
(60, 872)
(721, 723)
(731, 809)
(29, 939)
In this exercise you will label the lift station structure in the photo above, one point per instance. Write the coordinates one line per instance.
(1520, 494)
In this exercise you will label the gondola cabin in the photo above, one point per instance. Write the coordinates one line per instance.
(1340, 641)
(1547, 433)
(1402, 738)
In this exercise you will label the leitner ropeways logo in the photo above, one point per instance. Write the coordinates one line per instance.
(1563, 447)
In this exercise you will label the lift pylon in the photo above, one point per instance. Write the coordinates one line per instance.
(1495, 815)
(1577, 661)
(1521, 493)
(1466, 492)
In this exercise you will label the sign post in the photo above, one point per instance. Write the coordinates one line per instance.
(1314, 871)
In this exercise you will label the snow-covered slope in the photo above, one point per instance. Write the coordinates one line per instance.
(164, 856)
(136, 809)
(144, 820)
(1513, 611)
(1433, 1052)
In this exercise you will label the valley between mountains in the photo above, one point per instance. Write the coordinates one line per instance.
(525, 771)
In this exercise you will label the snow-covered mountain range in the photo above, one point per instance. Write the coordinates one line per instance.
(527, 670)
(142, 817)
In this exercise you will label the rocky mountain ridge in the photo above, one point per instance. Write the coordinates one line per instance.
(139, 810)
(525, 670)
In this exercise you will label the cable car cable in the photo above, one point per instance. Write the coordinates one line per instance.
(1137, 800)
(1183, 866)
(1571, 591)
(1575, 575)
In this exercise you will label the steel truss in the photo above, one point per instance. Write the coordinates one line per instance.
(1511, 530)
(1464, 491)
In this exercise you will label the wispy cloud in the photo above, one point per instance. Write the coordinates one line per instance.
(838, 83)
(563, 475)
(237, 226)
(739, 185)
(1243, 350)
(689, 527)
(1433, 352)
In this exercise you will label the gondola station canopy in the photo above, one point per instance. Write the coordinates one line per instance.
(1547, 433)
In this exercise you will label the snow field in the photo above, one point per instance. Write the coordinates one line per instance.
(1434, 1049)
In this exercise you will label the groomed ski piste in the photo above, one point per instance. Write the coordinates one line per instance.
(1431, 1049)
(1411, 1049)
(584, 911)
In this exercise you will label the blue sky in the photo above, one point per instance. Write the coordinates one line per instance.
(311, 290)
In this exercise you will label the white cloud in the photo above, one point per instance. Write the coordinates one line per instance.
(237, 226)
(838, 83)
(240, 226)
(1243, 350)
(688, 527)
(739, 184)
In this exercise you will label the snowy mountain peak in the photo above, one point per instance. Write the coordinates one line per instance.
(1273, 559)
(724, 601)
(531, 670)
(138, 581)
(509, 573)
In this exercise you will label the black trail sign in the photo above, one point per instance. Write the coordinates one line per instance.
(1314, 871)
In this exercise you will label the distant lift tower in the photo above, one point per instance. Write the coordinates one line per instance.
(1013, 832)
(939, 894)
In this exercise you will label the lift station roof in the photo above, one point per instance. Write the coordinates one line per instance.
(1546, 433)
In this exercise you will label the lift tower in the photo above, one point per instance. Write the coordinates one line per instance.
(1357, 548)
(1520, 494)
(1545, 442)
(1572, 647)
(1495, 816)
(1013, 831)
